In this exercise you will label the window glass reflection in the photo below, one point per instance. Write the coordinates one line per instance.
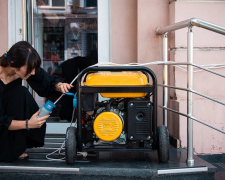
(58, 3)
(68, 39)
(42, 2)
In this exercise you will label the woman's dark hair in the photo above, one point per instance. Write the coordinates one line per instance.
(20, 54)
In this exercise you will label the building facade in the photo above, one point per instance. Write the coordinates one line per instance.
(125, 32)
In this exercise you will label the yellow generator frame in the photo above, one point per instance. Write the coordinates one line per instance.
(102, 80)
(136, 87)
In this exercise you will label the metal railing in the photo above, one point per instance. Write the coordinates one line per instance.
(163, 31)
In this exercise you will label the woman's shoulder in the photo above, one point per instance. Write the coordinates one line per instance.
(16, 89)
(16, 82)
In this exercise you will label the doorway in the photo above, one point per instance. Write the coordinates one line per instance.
(64, 33)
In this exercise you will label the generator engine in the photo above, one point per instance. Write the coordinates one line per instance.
(124, 120)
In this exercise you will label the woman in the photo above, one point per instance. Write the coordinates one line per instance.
(20, 126)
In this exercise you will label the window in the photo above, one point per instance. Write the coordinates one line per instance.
(48, 4)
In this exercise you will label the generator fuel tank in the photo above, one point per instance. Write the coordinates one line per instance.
(125, 78)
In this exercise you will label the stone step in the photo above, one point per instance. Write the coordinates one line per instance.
(57, 128)
(54, 140)
(42, 150)
(42, 156)
(52, 143)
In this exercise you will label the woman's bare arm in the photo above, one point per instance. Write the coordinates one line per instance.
(33, 122)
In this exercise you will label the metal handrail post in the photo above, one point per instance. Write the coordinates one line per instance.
(165, 78)
(190, 159)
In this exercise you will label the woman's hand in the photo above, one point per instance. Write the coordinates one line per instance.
(63, 87)
(37, 122)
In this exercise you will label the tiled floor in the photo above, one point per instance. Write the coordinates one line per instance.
(218, 160)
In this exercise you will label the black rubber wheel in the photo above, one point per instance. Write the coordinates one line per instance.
(163, 143)
(71, 145)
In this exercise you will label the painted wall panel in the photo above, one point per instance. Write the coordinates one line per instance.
(4, 26)
(124, 31)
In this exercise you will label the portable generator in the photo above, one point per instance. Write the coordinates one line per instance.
(126, 117)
